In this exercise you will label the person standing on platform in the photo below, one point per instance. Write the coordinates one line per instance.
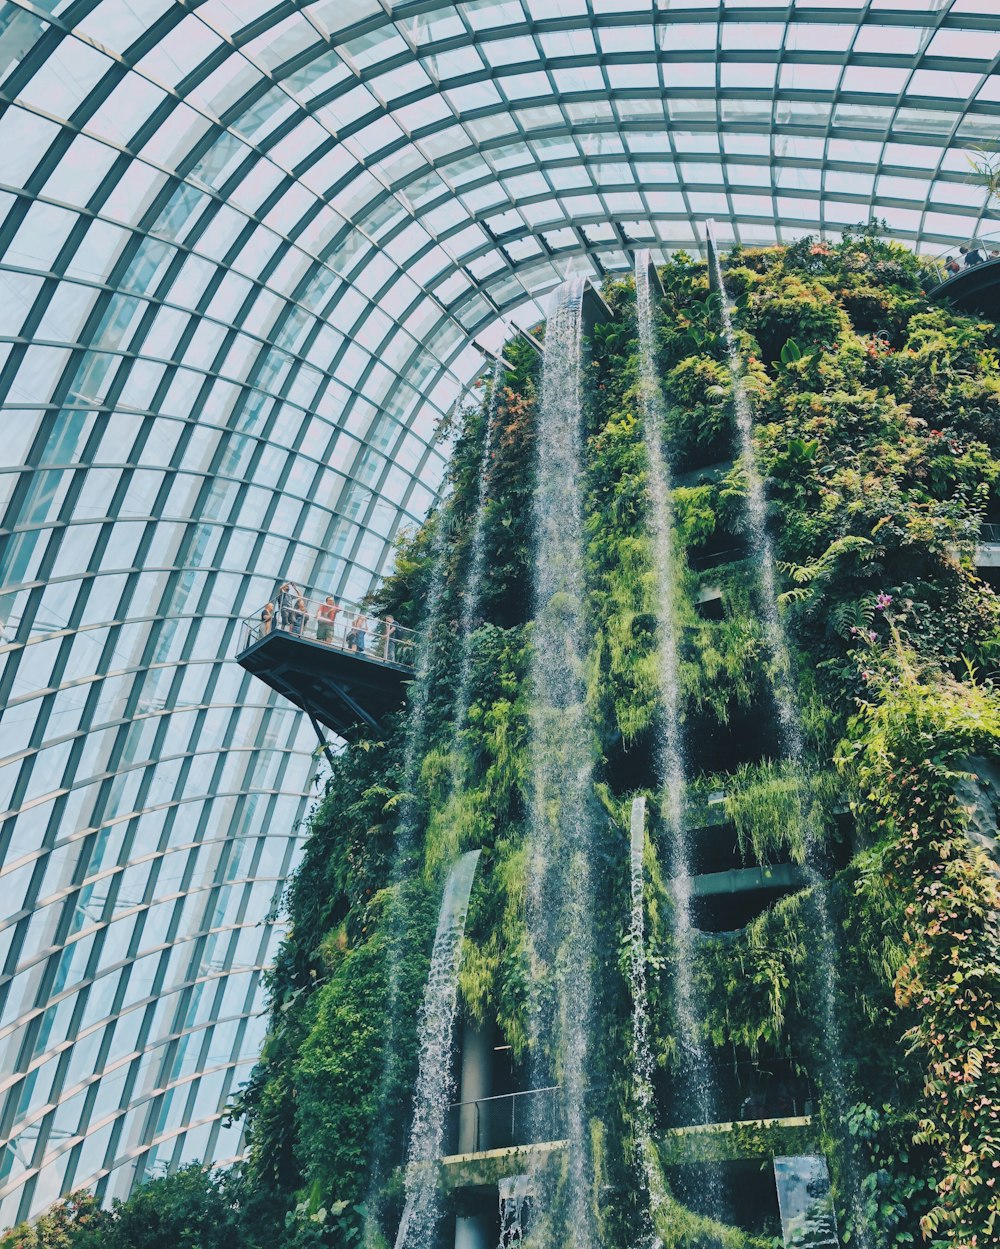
(326, 620)
(390, 640)
(284, 604)
(267, 619)
(358, 633)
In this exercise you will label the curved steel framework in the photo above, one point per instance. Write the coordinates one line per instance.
(249, 253)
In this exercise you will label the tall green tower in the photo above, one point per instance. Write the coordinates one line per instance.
(664, 909)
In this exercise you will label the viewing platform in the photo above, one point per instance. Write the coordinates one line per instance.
(974, 289)
(346, 673)
(494, 1137)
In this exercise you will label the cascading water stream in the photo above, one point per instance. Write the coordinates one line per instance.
(474, 580)
(562, 827)
(697, 1076)
(402, 859)
(792, 739)
(434, 1087)
(513, 1193)
(642, 1054)
(760, 539)
(430, 1098)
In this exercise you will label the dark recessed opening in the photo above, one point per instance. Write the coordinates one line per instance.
(689, 458)
(990, 575)
(741, 1193)
(631, 764)
(741, 1091)
(720, 548)
(709, 605)
(715, 849)
(703, 474)
(749, 737)
(730, 912)
(476, 1218)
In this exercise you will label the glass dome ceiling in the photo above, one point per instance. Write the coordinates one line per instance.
(250, 253)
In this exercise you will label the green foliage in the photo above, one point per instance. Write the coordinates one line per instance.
(767, 805)
(906, 755)
(189, 1209)
(877, 427)
(61, 1227)
(878, 431)
(624, 675)
(895, 1190)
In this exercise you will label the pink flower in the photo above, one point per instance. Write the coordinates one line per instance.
(883, 601)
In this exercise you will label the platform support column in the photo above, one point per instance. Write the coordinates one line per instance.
(476, 1084)
(324, 744)
(477, 1231)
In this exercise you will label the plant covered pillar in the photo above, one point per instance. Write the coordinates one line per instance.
(876, 432)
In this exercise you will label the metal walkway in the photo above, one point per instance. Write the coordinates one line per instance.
(976, 289)
(347, 673)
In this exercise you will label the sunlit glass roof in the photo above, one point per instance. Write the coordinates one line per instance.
(445, 162)
(250, 254)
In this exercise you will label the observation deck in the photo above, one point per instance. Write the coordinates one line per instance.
(975, 289)
(346, 674)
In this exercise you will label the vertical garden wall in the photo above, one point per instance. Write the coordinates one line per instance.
(843, 958)
(877, 431)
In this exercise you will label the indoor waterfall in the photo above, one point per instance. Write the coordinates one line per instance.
(791, 736)
(434, 1087)
(474, 578)
(760, 539)
(642, 1054)
(696, 1077)
(562, 828)
(402, 866)
(513, 1193)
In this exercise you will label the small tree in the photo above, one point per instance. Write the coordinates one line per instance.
(58, 1228)
(987, 172)
(190, 1209)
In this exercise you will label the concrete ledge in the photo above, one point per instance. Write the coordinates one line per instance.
(700, 1129)
(732, 1142)
(487, 1168)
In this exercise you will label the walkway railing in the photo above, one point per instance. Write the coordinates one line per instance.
(747, 1091)
(342, 626)
(989, 532)
(983, 245)
(528, 1118)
